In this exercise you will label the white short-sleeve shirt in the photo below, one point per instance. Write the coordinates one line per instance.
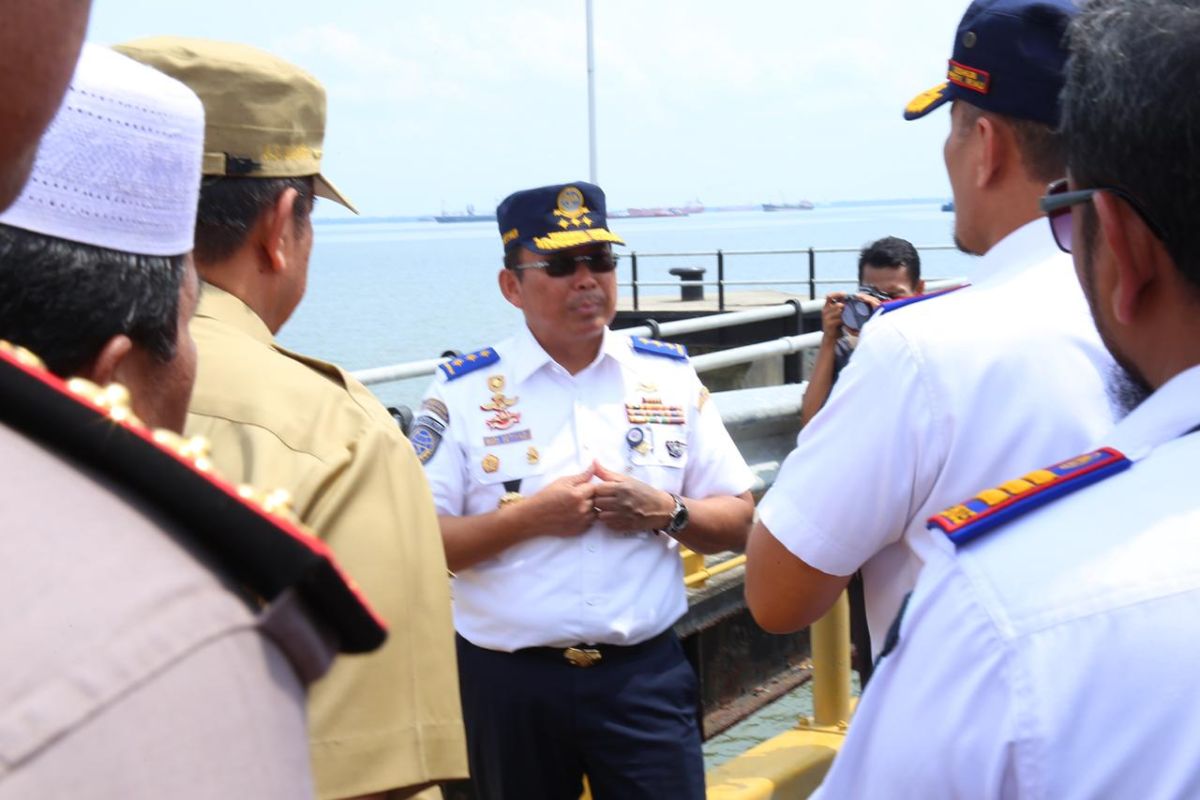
(942, 399)
(640, 413)
(1054, 657)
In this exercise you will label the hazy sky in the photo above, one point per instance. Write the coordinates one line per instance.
(442, 103)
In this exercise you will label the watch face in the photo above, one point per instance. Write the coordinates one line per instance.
(679, 519)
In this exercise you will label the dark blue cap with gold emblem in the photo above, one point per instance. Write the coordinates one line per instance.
(552, 218)
(1009, 58)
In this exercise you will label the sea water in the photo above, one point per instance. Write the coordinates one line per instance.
(383, 293)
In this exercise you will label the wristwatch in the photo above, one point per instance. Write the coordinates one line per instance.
(679, 518)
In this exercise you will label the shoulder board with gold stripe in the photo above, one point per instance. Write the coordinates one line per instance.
(656, 348)
(994, 507)
(892, 305)
(455, 368)
(263, 552)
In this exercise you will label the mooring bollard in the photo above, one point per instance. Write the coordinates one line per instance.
(690, 274)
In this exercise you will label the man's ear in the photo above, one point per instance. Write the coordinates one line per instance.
(510, 286)
(278, 228)
(920, 287)
(992, 139)
(110, 364)
(1135, 252)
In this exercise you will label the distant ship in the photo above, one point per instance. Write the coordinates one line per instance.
(803, 205)
(948, 205)
(631, 213)
(468, 216)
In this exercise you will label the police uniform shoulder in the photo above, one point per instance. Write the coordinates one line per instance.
(653, 347)
(894, 305)
(244, 534)
(455, 368)
(994, 507)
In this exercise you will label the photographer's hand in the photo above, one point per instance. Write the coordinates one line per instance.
(831, 315)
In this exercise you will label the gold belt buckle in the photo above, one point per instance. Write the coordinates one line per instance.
(582, 657)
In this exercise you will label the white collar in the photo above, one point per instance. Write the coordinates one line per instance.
(1168, 413)
(1012, 253)
(527, 355)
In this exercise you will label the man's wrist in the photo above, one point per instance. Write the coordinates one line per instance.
(677, 518)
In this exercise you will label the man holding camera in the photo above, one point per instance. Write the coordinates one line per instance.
(888, 269)
(948, 393)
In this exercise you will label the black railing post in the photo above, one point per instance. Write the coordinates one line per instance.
(720, 281)
(812, 275)
(633, 265)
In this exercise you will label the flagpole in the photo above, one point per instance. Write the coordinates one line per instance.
(591, 74)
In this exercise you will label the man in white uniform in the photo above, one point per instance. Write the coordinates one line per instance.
(1054, 657)
(567, 464)
(960, 390)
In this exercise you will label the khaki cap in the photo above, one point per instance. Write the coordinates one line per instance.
(264, 117)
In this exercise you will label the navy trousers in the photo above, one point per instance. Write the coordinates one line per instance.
(536, 724)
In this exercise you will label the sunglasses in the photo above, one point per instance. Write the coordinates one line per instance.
(563, 266)
(1058, 202)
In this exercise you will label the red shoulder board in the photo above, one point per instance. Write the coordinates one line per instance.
(993, 507)
(263, 552)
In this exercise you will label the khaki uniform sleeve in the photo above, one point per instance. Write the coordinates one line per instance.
(392, 718)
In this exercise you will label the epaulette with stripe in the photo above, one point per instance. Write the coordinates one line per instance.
(892, 305)
(455, 368)
(656, 348)
(245, 536)
(994, 507)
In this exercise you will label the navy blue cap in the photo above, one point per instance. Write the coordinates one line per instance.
(1009, 57)
(551, 218)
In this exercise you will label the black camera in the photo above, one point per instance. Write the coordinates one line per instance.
(856, 311)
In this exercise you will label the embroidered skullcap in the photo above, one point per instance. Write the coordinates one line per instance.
(119, 167)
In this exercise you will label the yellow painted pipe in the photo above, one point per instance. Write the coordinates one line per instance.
(703, 574)
(830, 638)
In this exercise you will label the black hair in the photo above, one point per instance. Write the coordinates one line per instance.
(64, 300)
(1043, 149)
(891, 251)
(230, 206)
(1131, 111)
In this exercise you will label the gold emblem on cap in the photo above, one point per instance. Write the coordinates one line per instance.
(532, 455)
(969, 39)
(571, 210)
(496, 383)
(570, 202)
(490, 463)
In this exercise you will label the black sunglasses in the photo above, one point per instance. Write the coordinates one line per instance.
(563, 266)
(1058, 202)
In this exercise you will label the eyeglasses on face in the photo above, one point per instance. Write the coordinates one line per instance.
(1059, 201)
(562, 266)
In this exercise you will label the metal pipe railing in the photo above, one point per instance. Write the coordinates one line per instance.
(738, 355)
(785, 346)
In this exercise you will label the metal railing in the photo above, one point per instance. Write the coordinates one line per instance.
(721, 282)
(703, 363)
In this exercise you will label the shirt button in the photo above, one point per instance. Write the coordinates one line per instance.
(591, 548)
(591, 601)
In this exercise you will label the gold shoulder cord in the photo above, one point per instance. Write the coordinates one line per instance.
(115, 401)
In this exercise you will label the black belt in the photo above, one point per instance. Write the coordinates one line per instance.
(589, 655)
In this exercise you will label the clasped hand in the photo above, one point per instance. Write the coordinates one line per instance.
(572, 504)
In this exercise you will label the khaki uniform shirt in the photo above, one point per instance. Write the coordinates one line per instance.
(130, 669)
(278, 419)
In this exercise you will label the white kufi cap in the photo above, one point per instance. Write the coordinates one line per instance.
(119, 167)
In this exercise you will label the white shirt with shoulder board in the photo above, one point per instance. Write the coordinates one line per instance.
(601, 586)
(942, 398)
(1055, 656)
